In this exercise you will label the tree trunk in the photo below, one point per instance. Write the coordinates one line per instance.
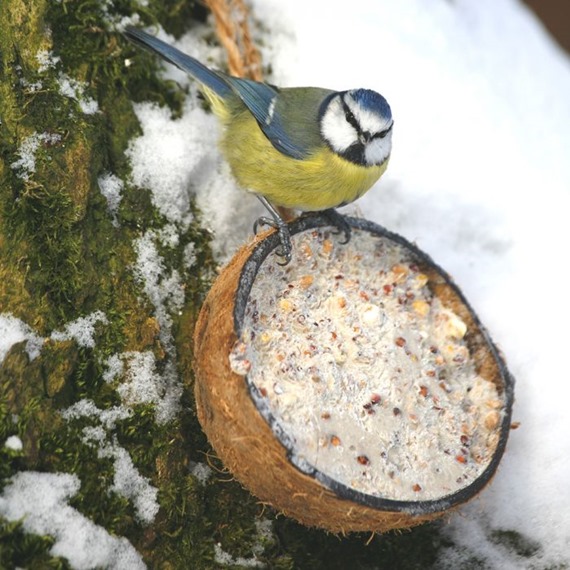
(66, 119)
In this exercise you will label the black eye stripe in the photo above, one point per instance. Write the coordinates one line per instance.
(383, 133)
(350, 116)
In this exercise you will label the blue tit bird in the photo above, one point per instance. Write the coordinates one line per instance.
(306, 148)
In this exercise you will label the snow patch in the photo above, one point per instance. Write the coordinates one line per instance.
(74, 89)
(40, 501)
(165, 159)
(164, 290)
(12, 331)
(139, 382)
(189, 256)
(88, 409)
(81, 330)
(127, 481)
(14, 443)
(201, 471)
(46, 60)
(111, 187)
(25, 166)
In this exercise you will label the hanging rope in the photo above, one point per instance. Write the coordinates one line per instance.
(231, 18)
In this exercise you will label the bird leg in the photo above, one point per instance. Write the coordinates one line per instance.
(277, 222)
(339, 222)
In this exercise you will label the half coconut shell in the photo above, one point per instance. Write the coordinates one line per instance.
(251, 424)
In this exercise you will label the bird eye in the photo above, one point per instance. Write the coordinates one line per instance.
(349, 116)
(351, 119)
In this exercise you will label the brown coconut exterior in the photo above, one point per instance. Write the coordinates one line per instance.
(245, 442)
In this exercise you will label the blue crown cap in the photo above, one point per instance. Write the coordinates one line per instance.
(372, 101)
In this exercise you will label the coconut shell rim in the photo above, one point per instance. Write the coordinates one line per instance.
(245, 283)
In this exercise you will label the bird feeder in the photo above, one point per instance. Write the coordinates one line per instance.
(353, 389)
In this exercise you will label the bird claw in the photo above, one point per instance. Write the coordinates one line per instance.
(286, 248)
(263, 221)
(339, 222)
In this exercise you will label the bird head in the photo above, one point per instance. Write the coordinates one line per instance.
(357, 125)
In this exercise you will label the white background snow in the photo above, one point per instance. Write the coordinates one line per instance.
(479, 178)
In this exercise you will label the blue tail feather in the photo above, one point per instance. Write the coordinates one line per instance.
(211, 79)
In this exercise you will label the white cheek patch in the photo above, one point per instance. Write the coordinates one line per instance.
(335, 129)
(378, 150)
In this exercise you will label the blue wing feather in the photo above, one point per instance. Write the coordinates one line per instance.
(260, 99)
(256, 96)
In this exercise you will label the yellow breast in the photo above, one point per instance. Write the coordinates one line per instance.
(323, 180)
